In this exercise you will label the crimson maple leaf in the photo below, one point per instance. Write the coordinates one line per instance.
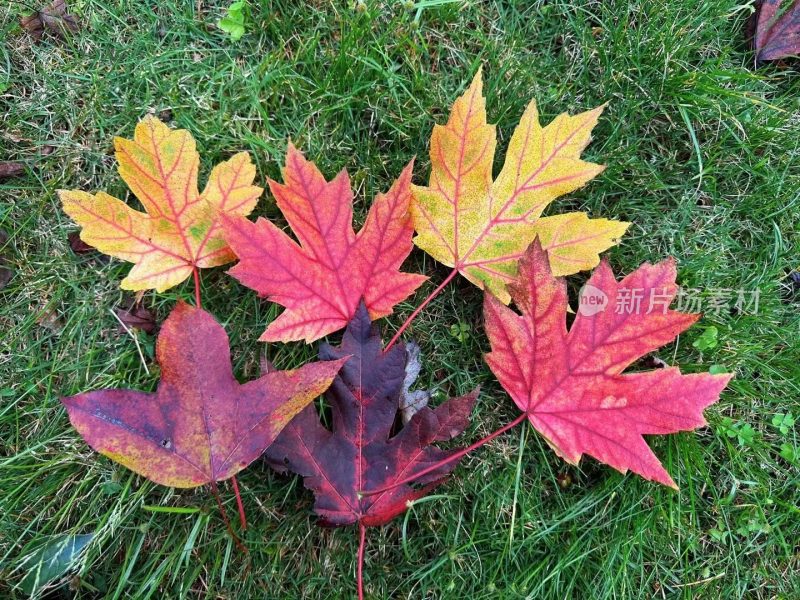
(200, 426)
(361, 452)
(321, 280)
(571, 385)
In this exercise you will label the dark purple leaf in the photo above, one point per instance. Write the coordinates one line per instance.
(360, 452)
(77, 245)
(777, 30)
(137, 316)
(11, 169)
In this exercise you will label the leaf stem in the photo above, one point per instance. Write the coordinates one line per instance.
(449, 459)
(418, 310)
(236, 540)
(362, 536)
(196, 273)
(239, 503)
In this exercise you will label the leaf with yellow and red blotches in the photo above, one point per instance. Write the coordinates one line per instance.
(361, 452)
(322, 279)
(482, 227)
(570, 384)
(180, 230)
(201, 425)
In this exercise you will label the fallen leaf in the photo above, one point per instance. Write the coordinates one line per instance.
(54, 18)
(6, 274)
(571, 385)
(50, 319)
(482, 227)
(77, 245)
(11, 169)
(137, 316)
(360, 452)
(777, 30)
(322, 279)
(201, 425)
(52, 561)
(412, 401)
(180, 230)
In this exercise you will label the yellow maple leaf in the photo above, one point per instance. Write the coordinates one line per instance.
(480, 226)
(179, 230)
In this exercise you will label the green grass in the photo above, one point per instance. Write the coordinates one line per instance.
(702, 155)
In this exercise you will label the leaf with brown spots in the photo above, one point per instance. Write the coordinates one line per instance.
(201, 425)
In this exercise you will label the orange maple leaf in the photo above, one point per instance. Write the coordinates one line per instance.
(180, 229)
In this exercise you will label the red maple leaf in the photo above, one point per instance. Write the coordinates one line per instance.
(570, 384)
(362, 451)
(321, 280)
